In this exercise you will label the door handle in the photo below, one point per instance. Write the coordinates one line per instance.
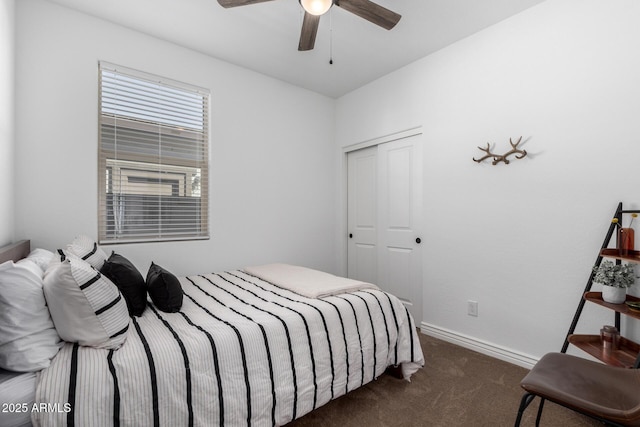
(418, 240)
(351, 235)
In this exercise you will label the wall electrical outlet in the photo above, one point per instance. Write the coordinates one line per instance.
(472, 308)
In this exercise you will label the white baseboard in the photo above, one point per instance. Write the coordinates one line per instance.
(483, 347)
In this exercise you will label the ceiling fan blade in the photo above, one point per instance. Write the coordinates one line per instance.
(234, 3)
(309, 31)
(371, 11)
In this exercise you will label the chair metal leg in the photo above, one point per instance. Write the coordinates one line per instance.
(524, 403)
(539, 412)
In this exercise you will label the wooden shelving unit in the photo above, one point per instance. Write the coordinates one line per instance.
(630, 256)
(596, 298)
(627, 355)
(624, 356)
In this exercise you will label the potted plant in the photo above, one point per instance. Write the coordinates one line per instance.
(615, 279)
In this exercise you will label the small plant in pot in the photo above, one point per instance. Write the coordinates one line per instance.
(615, 279)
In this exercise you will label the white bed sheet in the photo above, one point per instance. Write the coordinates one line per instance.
(17, 396)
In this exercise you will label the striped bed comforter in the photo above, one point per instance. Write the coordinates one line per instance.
(240, 352)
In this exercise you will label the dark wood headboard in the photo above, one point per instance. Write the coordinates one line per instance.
(15, 251)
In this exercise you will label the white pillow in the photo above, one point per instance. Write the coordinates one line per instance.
(28, 338)
(41, 257)
(86, 248)
(85, 306)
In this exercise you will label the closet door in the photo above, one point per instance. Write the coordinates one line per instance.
(399, 221)
(362, 218)
(384, 214)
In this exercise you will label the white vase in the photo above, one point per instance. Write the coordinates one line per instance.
(613, 294)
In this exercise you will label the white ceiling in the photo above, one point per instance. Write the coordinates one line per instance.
(264, 36)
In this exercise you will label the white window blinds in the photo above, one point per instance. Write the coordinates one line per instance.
(153, 158)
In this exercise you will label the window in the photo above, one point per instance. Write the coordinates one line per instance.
(153, 158)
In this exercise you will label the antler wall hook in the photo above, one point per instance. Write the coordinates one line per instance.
(497, 158)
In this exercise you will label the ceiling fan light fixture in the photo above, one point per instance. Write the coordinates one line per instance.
(316, 7)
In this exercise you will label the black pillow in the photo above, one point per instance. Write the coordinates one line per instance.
(164, 289)
(128, 279)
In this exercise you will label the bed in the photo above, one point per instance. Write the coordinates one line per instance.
(239, 351)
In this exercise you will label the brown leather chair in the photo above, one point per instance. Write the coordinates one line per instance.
(606, 393)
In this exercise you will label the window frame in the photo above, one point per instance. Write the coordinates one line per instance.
(183, 163)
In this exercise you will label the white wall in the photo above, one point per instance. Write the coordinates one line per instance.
(520, 239)
(7, 41)
(272, 153)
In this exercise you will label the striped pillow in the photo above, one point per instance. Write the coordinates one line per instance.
(85, 306)
(86, 248)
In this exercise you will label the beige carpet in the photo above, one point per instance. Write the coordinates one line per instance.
(457, 387)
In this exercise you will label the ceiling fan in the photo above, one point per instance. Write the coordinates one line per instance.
(313, 9)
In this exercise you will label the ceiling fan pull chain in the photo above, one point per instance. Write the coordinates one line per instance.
(330, 37)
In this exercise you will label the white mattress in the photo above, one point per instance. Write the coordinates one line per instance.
(17, 396)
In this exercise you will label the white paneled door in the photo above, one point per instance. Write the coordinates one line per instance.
(362, 217)
(384, 214)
